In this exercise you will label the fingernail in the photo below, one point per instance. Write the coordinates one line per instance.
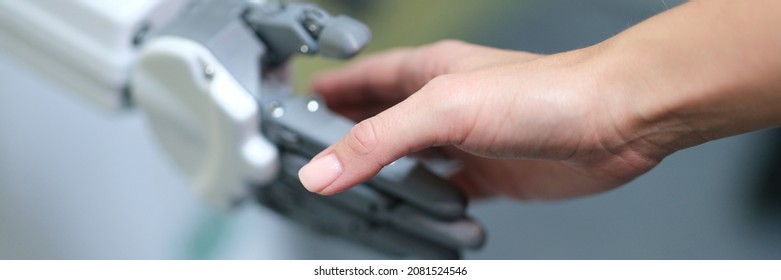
(319, 173)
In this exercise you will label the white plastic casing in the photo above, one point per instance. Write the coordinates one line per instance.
(85, 44)
(210, 126)
(204, 118)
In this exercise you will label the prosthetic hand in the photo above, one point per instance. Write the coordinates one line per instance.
(211, 78)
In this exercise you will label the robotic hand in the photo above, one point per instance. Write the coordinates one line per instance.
(212, 80)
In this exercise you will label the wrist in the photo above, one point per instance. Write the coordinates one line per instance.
(677, 80)
(642, 111)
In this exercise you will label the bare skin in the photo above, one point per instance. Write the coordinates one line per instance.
(530, 126)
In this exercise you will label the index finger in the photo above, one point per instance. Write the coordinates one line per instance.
(390, 77)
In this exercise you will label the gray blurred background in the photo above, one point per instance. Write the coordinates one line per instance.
(76, 183)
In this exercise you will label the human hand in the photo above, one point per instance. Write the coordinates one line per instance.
(523, 125)
(569, 124)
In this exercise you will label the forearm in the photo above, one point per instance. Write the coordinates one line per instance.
(702, 71)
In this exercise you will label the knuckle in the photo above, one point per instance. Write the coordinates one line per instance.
(362, 139)
(453, 105)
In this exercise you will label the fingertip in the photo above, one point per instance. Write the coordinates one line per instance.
(321, 172)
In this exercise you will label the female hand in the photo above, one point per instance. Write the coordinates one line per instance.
(569, 124)
(522, 125)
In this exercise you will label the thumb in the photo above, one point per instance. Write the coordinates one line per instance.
(412, 125)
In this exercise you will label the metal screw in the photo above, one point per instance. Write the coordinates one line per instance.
(276, 109)
(312, 105)
(304, 49)
(208, 72)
